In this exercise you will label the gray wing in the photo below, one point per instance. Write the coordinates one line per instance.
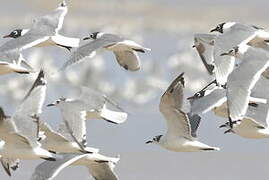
(194, 123)
(129, 60)
(206, 103)
(74, 121)
(87, 49)
(92, 99)
(28, 40)
(31, 106)
(102, 171)
(50, 23)
(48, 170)
(170, 106)
(10, 56)
(224, 65)
(242, 80)
(204, 44)
(259, 113)
(51, 134)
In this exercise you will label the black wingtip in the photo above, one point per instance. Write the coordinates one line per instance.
(49, 159)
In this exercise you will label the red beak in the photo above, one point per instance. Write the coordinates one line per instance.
(6, 36)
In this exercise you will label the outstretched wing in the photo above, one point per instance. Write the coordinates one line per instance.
(48, 170)
(170, 106)
(89, 48)
(242, 80)
(25, 117)
(129, 60)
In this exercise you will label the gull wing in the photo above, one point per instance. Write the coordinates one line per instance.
(129, 60)
(89, 48)
(206, 103)
(224, 65)
(26, 41)
(48, 170)
(259, 114)
(102, 170)
(31, 106)
(51, 23)
(75, 121)
(204, 44)
(242, 80)
(178, 123)
(51, 134)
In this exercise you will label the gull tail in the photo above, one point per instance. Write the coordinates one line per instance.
(113, 116)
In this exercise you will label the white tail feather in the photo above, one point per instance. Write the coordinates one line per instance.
(113, 116)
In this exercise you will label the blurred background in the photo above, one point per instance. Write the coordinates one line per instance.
(167, 27)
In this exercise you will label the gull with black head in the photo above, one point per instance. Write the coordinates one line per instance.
(181, 133)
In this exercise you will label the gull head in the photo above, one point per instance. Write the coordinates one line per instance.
(94, 36)
(155, 140)
(57, 102)
(222, 27)
(197, 95)
(14, 34)
(233, 52)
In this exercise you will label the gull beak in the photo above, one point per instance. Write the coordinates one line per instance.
(229, 131)
(6, 36)
(148, 142)
(225, 54)
(52, 104)
(223, 125)
(86, 38)
(190, 98)
(215, 29)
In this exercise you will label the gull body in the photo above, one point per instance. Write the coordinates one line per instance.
(95, 105)
(181, 133)
(44, 32)
(124, 50)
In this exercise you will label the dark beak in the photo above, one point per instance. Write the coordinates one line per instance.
(190, 98)
(86, 38)
(223, 125)
(49, 105)
(267, 40)
(225, 54)
(6, 36)
(193, 46)
(215, 29)
(148, 142)
(228, 131)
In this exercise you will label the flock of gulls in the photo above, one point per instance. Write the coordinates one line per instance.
(236, 57)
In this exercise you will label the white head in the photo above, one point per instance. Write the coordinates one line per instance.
(16, 33)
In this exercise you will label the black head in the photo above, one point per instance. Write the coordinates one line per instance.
(197, 95)
(58, 101)
(92, 36)
(14, 34)
(232, 52)
(219, 28)
(156, 139)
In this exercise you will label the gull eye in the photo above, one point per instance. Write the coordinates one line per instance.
(15, 33)
(91, 36)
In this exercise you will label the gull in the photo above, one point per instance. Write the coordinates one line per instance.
(254, 126)
(13, 62)
(71, 135)
(95, 105)
(44, 32)
(204, 44)
(124, 50)
(99, 166)
(20, 132)
(9, 164)
(181, 134)
(243, 79)
(234, 34)
(215, 99)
